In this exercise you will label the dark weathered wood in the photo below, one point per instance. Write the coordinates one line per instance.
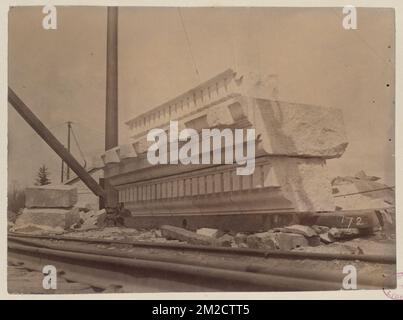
(51, 140)
(111, 115)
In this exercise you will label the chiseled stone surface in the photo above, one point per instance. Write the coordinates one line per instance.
(50, 196)
(293, 139)
(299, 129)
(47, 218)
(305, 182)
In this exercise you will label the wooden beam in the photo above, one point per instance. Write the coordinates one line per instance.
(52, 141)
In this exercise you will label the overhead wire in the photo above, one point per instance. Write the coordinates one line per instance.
(188, 43)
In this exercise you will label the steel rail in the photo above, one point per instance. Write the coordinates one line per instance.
(384, 259)
(290, 271)
(210, 277)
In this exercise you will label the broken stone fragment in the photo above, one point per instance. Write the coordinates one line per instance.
(339, 233)
(209, 232)
(50, 196)
(326, 238)
(277, 240)
(300, 229)
(289, 241)
(314, 241)
(263, 240)
(226, 240)
(320, 229)
(158, 233)
(176, 233)
(240, 238)
(92, 219)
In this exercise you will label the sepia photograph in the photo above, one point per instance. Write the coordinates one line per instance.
(200, 149)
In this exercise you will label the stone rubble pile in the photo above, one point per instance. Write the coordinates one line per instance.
(53, 209)
(287, 238)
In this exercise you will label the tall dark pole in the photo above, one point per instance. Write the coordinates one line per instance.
(62, 173)
(68, 146)
(111, 116)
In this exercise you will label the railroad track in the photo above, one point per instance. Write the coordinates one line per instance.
(149, 266)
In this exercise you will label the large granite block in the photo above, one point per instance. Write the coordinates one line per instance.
(299, 130)
(47, 218)
(51, 196)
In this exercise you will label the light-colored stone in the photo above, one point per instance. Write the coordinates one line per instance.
(209, 232)
(293, 142)
(47, 218)
(97, 162)
(289, 241)
(262, 240)
(300, 229)
(305, 182)
(111, 156)
(175, 233)
(326, 237)
(240, 238)
(276, 241)
(300, 129)
(320, 229)
(127, 151)
(92, 219)
(344, 233)
(226, 240)
(50, 196)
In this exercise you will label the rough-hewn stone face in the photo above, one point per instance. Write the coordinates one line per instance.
(304, 182)
(299, 130)
(47, 218)
(59, 196)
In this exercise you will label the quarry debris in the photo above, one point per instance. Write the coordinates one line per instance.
(326, 238)
(175, 233)
(209, 232)
(300, 229)
(338, 233)
(320, 229)
(91, 219)
(289, 241)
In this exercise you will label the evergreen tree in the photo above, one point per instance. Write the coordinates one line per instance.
(43, 176)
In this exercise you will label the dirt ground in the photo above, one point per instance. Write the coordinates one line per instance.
(23, 281)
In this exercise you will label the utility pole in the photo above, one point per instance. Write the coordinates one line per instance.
(111, 114)
(62, 173)
(51, 140)
(68, 149)
(68, 145)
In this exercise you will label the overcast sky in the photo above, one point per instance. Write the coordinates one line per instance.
(60, 73)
